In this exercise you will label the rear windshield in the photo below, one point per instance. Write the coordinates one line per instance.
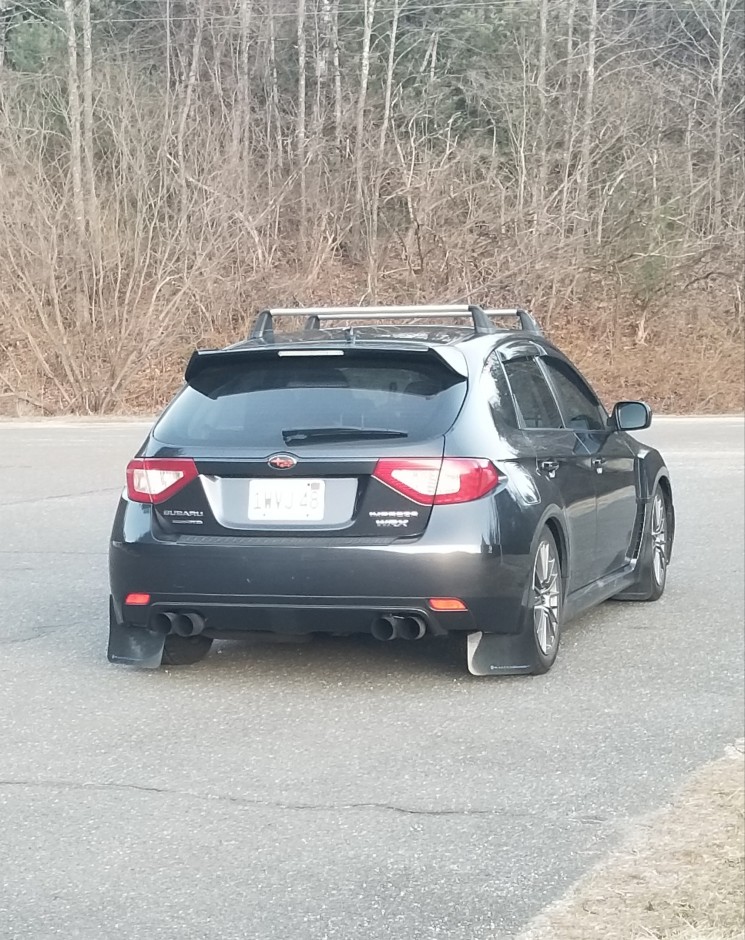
(252, 403)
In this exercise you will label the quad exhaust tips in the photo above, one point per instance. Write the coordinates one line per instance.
(396, 627)
(182, 624)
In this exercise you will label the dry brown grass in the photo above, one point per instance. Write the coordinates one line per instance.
(682, 355)
(696, 368)
(679, 876)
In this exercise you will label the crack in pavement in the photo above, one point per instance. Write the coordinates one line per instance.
(587, 819)
(36, 633)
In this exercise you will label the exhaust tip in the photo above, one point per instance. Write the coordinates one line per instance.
(398, 627)
(181, 624)
(164, 621)
(384, 628)
(412, 628)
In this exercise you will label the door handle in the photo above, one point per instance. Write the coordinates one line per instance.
(549, 467)
(598, 464)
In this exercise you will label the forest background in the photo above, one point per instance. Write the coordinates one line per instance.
(168, 167)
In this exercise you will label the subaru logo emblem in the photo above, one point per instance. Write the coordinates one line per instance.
(282, 462)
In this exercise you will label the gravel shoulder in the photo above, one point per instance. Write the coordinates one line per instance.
(679, 875)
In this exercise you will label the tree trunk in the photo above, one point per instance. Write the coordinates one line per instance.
(188, 95)
(569, 112)
(321, 69)
(94, 221)
(724, 11)
(76, 165)
(338, 127)
(539, 206)
(244, 77)
(169, 49)
(372, 277)
(274, 123)
(4, 20)
(300, 127)
(583, 202)
(361, 101)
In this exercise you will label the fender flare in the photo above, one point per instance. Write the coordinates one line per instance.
(553, 519)
(652, 473)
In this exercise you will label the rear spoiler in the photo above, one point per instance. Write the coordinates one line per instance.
(203, 359)
(263, 333)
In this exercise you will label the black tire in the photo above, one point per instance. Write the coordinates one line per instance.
(185, 650)
(545, 606)
(655, 550)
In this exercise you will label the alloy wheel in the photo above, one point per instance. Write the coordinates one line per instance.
(659, 538)
(546, 597)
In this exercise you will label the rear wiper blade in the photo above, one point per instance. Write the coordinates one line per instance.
(312, 435)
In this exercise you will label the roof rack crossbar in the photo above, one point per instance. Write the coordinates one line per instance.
(264, 327)
(527, 322)
(396, 310)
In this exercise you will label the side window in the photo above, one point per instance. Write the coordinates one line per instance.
(500, 398)
(535, 402)
(580, 407)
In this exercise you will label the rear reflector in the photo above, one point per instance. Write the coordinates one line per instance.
(434, 481)
(446, 603)
(152, 480)
(137, 600)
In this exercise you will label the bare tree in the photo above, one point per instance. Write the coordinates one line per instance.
(569, 115)
(244, 78)
(94, 220)
(5, 8)
(373, 258)
(369, 16)
(300, 127)
(274, 119)
(337, 74)
(73, 102)
(542, 172)
(321, 66)
(187, 95)
(723, 12)
(76, 164)
(583, 206)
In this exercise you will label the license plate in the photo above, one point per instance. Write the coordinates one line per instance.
(286, 500)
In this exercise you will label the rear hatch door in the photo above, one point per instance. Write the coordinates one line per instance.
(288, 445)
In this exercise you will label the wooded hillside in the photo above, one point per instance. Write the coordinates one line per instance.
(169, 166)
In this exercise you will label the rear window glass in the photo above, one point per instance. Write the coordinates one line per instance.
(252, 403)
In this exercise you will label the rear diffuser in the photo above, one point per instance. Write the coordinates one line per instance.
(495, 654)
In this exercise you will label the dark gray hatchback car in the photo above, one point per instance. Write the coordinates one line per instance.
(397, 480)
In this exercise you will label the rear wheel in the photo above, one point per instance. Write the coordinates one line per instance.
(656, 550)
(660, 536)
(546, 597)
(185, 650)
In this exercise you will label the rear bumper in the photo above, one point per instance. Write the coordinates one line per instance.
(313, 585)
(228, 616)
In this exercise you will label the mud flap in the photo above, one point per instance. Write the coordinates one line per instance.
(135, 646)
(496, 654)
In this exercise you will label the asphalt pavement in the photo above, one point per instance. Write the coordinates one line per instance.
(336, 789)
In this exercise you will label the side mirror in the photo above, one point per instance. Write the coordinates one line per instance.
(631, 416)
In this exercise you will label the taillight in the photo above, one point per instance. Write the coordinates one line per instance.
(152, 480)
(433, 481)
